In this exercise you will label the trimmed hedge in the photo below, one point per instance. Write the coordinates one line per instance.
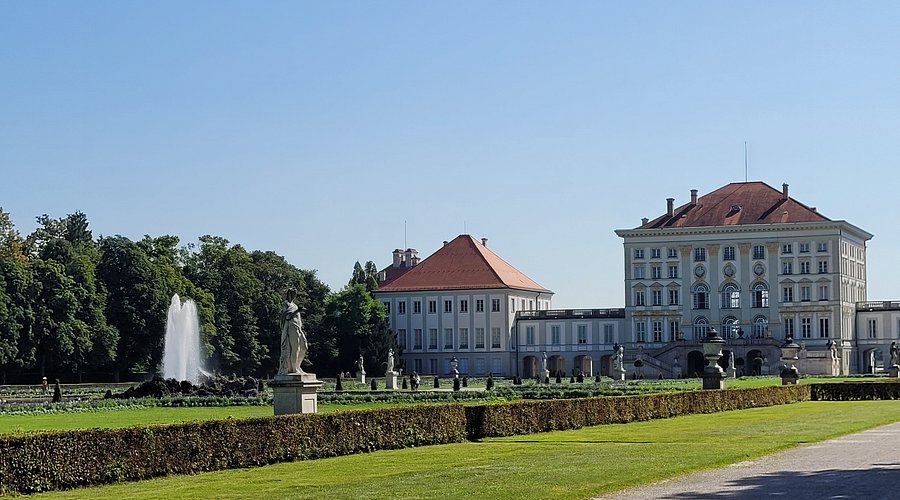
(855, 391)
(528, 417)
(42, 462)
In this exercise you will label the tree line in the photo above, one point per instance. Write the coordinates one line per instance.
(77, 307)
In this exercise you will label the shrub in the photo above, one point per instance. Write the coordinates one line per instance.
(41, 462)
(855, 391)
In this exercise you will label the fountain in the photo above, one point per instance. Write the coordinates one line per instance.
(181, 355)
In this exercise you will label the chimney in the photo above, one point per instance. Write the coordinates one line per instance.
(408, 257)
(484, 241)
(693, 196)
(398, 257)
(670, 207)
(644, 221)
(812, 208)
(445, 242)
(784, 191)
(414, 259)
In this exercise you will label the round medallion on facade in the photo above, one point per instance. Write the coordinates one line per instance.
(759, 269)
(729, 270)
(699, 271)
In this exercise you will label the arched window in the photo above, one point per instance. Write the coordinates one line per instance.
(731, 297)
(730, 327)
(701, 297)
(760, 295)
(760, 326)
(701, 327)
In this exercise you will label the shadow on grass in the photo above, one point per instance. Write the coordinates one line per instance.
(876, 482)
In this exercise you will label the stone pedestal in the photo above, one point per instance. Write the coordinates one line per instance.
(390, 381)
(296, 393)
(895, 371)
(545, 375)
(618, 374)
(713, 379)
(361, 377)
(789, 375)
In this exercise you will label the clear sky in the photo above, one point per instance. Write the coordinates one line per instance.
(315, 129)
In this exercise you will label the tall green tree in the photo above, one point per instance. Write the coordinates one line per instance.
(355, 321)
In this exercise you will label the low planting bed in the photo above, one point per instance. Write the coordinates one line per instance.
(40, 462)
(856, 391)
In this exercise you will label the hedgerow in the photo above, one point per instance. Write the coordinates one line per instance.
(856, 391)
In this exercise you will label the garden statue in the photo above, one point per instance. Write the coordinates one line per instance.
(293, 339)
(390, 361)
(895, 354)
(360, 365)
(544, 362)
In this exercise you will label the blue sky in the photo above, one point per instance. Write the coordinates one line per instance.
(316, 129)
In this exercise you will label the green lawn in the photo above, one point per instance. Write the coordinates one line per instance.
(567, 464)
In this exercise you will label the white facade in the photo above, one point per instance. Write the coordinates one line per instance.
(474, 326)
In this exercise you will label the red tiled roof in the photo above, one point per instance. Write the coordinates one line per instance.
(736, 204)
(462, 264)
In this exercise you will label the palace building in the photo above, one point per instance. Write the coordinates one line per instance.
(746, 259)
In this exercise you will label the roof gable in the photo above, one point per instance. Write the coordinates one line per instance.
(738, 203)
(462, 264)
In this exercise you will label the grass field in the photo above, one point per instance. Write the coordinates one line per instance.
(566, 464)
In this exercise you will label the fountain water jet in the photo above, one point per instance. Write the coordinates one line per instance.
(181, 356)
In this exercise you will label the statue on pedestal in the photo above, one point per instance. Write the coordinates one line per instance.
(293, 339)
(544, 362)
(895, 354)
(361, 369)
(390, 361)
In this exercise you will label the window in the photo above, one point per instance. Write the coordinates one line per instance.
(804, 294)
(673, 297)
(495, 338)
(804, 248)
(701, 327)
(655, 253)
(823, 292)
(657, 331)
(638, 273)
(555, 334)
(872, 328)
(401, 338)
(417, 365)
(417, 338)
(401, 307)
(387, 307)
(673, 253)
(730, 327)
(608, 334)
(701, 297)
(805, 328)
(674, 330)
(582, 334)
(700, 254)
(656, 272)
(804, 267)
(822, 247)
(512, 305)
(823, 267)
(787, 294)
(479, 305)
(759, 252)
(464, 306)
(787, 267)
(417, 307)
(448, 338)
(657, 297)
(432, 338)
(788, 327)
(463, 338)
(529, 335)
(640, 329)
(760, 295)
(823, 328)
(728, 253)
(638, 253)
(673, 271)
(639, 298)
(495, 305)
(479, 338)
(787, 248)
(731, 297)
(523, 304)
(448, 306)
(432, 306)
(760, 325)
